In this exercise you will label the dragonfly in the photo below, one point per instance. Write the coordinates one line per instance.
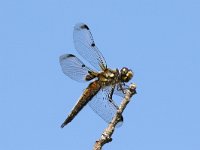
(104, 81)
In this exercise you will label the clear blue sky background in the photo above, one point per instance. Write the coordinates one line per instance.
(158, 40)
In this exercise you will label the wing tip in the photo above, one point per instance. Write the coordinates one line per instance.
(79, 26)
(65, 56)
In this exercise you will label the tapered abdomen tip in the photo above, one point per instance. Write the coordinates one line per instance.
(62, 126)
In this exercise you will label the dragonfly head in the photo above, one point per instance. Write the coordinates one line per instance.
(126, 74)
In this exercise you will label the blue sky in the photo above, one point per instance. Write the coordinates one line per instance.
(158, 40)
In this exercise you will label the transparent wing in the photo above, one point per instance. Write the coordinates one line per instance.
(86, 47)
(104, 106)
(74, 67)
(120, 89)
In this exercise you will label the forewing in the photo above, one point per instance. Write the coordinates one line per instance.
(120, 89)
(103, 105)
(85, 45)
(74, 67)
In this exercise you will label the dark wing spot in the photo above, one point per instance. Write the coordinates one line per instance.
(85, 27)
(66, 56)
(83, 65)
(93, 45)
(69, 55)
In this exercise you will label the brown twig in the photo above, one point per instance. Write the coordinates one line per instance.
(107, 133)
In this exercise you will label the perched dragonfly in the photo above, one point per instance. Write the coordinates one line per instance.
(105, 81)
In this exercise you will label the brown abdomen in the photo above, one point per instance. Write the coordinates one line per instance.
(87, 95)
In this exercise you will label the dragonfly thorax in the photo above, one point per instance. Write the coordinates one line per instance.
(108, 77)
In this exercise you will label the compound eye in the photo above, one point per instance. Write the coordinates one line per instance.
(129, 74)
(126, 74)
(124, 70)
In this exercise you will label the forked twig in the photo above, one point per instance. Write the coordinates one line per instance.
(107, 133)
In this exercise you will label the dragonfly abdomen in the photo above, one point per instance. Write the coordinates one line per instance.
(88, 94)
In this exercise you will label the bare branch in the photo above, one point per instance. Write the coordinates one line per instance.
(107, 133)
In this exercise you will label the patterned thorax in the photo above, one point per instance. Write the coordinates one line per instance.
(108, 77)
